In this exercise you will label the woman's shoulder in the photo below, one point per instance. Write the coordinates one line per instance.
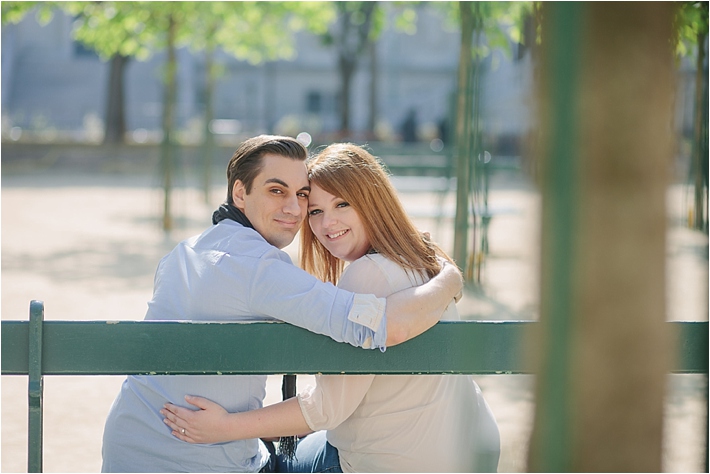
(368, 274)
(373, 262)
(362, 266)
(378, 272)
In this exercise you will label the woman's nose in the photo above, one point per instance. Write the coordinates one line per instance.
(328, 219)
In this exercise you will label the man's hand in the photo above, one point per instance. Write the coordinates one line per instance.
(412, 311)
(205, 425)
(454, 279)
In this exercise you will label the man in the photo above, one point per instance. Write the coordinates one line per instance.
(235, 270)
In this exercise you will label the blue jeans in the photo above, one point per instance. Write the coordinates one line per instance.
(313, 454)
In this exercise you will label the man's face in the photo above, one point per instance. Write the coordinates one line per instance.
(278, 199)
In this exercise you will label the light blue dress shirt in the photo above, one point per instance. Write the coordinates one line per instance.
(228, 273)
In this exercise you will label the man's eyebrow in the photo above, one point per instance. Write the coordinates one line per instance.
(277, 181)
(283, 183)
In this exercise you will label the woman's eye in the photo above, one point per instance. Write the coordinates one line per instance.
(343, 204)
(314, 212)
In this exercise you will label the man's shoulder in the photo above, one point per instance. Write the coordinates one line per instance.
(234, 239)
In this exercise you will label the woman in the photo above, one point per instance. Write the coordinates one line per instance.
(374, 423)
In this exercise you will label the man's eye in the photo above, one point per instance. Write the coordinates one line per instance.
(314, 212)
(276, 191)
(303, 195)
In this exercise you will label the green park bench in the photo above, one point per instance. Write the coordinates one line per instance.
(37, 348)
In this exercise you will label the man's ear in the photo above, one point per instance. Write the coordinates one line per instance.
(238, 193)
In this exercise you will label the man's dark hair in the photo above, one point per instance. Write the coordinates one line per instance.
(246, 162)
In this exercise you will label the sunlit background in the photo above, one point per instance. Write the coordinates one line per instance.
(118, 120)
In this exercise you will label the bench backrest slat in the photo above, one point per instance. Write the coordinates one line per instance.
(148, 347)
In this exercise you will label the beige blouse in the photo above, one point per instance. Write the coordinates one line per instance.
(401, 423)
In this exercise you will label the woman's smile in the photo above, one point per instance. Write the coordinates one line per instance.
(336, 225)
(337, 234)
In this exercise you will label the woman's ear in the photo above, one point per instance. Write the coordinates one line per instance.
(238, 193)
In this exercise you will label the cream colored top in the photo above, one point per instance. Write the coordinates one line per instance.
(401, 423)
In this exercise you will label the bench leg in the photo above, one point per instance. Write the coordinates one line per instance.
(35, 388)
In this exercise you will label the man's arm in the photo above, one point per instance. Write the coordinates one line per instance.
(284, 291)
(412, 311)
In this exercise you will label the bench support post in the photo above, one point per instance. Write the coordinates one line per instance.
(35, 390)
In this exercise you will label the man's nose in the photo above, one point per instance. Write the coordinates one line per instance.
(293, 206)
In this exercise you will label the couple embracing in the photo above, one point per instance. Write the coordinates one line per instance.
(397, 284)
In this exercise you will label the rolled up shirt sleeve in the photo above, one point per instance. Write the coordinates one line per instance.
(333, 399)
(283, 291)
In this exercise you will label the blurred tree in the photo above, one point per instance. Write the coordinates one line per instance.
(484, 27)
(115, 114)
(14, 12)
(136, 29)
(355, 32)
(605, 110)
(357, 25)
(691, 26)
(373, 96)
(114, 117)
(117, 33)
(252, 31)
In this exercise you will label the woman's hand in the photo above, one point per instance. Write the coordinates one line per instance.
(208, 424)
(213, 424)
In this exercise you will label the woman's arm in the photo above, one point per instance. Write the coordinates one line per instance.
(412, 311)
(213, 424)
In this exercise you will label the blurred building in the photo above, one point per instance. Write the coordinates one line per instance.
(50, 82)
(53, 84)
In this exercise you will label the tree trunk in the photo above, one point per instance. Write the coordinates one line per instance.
(700, 137)
(463, 145)
(347, 67)
(115, 118)
(167, 151)
(374, 72)
(607, 109)
(351, 41)
(208, 146)
(473, 266)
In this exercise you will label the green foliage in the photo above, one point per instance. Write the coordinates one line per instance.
(14, 12)
(354, 26)
(132, 29)
(406, 20)
(691, 23)
(251, 31)
(355, 14)
(501, 23)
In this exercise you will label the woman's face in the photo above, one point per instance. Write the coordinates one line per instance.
(336, 225)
